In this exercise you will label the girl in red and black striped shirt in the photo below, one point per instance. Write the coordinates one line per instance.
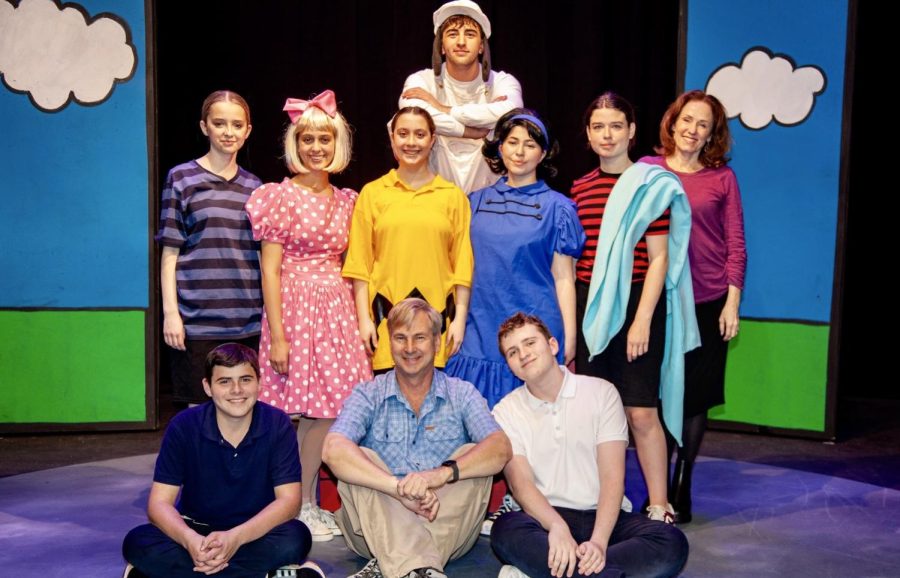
(633, 358)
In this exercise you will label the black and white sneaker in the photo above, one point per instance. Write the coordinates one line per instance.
(370, 570)
(507, 505)
(306, 570)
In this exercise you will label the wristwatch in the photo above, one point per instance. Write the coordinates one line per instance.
(452, 465)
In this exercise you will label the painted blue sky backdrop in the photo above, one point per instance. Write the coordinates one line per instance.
(788, 175)
(74, 224)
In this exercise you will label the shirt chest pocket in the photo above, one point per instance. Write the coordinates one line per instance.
(395, 426)
(444, 431)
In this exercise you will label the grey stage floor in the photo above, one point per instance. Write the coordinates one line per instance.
(750, 520)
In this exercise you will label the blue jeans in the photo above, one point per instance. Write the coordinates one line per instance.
(149, 550)
(637, 546)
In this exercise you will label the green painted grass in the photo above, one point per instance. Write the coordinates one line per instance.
(776, 376)
(72, 366)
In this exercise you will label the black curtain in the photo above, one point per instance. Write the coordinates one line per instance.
(564, 54)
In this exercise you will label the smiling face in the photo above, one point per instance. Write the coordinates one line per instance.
(414, 346)
(693, 128)
(521, 155)
(227, 127)
(609, 133)
(530, 355)
(461, 44)
(411, 140)
(233, 390)
(315, 148)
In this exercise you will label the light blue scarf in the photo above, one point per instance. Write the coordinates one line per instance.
(640, 196)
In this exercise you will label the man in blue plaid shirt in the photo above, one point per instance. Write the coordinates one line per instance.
(415, 452)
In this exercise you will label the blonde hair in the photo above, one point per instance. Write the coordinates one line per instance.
(403, 313)
(314, 118)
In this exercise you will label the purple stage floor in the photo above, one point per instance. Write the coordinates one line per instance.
(749, 520)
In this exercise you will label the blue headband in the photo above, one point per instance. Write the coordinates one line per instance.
(538, 123)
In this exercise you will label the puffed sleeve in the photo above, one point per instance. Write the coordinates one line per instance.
(571, 237)
(271, 213)
(461, 258)
(361, 245)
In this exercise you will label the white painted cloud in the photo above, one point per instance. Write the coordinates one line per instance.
(60, 54)
(764, 87)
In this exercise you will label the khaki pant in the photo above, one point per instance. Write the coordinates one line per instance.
(376, 525)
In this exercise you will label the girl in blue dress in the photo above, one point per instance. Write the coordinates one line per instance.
(526, 238)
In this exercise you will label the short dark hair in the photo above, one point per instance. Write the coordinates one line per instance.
(230, 355)
(614, 101)
(505, 124)
(713, 154)
(520, 320)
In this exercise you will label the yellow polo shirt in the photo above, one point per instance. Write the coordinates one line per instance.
(404, 239)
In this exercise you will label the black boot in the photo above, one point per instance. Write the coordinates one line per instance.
(681, 491)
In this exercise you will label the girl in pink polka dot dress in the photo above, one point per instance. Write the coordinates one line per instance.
(311, 354)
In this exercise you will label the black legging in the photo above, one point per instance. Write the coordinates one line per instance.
(692, 431)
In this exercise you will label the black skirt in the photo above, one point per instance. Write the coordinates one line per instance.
(704, 367)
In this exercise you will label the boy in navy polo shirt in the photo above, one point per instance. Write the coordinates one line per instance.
(235, 463)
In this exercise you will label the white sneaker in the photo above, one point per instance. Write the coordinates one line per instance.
(319, 531)
(327, 518)
(626, 504)
(665, 514)
(507, 505)
(510, 571)
(306, 570)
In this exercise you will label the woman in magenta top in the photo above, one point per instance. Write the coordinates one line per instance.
(694, 141)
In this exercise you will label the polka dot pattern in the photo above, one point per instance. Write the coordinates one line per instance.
(327, 357)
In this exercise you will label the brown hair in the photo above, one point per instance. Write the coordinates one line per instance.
(457, 21)
(712, 155)
(230, 355)
(224, 96)
(517, 321)
(415, 111)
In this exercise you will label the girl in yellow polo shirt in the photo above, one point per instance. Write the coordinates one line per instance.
(410, 238)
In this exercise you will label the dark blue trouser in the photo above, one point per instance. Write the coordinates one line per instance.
(637, 547)
(149, 550)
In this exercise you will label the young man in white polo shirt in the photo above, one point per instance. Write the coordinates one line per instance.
(569, 435)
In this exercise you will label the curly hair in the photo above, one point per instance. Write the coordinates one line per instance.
(517, 321)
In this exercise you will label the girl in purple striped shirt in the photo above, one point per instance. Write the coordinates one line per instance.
(209, 269)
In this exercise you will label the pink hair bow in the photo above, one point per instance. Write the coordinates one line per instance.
(324, 101)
